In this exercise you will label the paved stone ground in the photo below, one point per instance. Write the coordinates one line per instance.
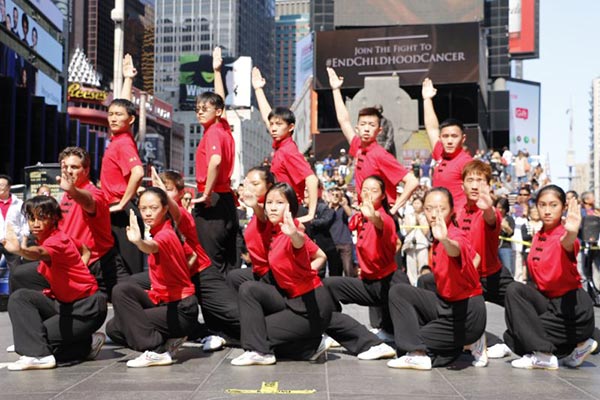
(198, 375)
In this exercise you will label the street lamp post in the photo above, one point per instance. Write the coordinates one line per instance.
(118, 15)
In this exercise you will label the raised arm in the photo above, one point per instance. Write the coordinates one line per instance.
(341, 111)
(12, 245)
(81, 196)
(410, 184)
(134, 235)
(173, 206)
(217, 66)
(432, 125)
(258, 83)
(129, 72)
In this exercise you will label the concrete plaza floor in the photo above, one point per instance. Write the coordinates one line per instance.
(198, 375)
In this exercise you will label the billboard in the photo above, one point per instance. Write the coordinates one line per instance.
(406, 12)
(50, 11)
(32, 35)
(196, 76)
(523, 35)
(447, 53)
(524, 116)
(49, 89)
(304, 62)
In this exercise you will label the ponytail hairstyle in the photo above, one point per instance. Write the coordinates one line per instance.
(446, 192)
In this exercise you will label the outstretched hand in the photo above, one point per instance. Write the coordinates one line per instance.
(156, 181)
(129, 70)
(573, 217)
(288, 227)
(134, 235)
(428, 91)
(439, 230)
(65, 181)
(366, 207)
(217, 59)
(11, 241)
(335, 81)
(258, 82)
(485, 201)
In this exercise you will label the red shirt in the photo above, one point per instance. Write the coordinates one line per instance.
(187, 227)
(375, 160)
(455, 277)
(69, 278)
(169, 273)
(217, 140)
(484, 239)
(291, 267)
(290, 166)
(4, 205)
(119, 159)
(375, 248)
(552, 268)
(93, 230)
(448, 172)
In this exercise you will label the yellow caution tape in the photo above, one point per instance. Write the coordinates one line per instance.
(269, 388)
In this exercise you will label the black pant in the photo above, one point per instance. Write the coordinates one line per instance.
(351, 334)
(42, 326)
(142, 325)
(108, 271)
(288, 328)
(425, 322)
(218, 302)
(494, 286)
(236, 277)
(376, 312)
(217, 227)
(334, 263)
(537, 323)
(362, 292)
(131, 255)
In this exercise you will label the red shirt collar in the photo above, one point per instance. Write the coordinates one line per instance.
(278, 144)
(158, 228)
(447, 156)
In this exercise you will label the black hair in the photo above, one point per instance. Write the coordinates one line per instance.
(43, 207)
(8, 179)
(211, 98)
(76, 151)
(384, 202)
(445, 192)
(575, 194)
(164, 201)
(126, 104)
(503, 204)
(288, 193)
(370, 112)
(174, 177)
(266, 173)
(452, 122)
(283, 113)
(552, 188)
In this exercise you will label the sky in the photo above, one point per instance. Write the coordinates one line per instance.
(569, 60)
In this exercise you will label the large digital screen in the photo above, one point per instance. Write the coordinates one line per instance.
(523, 36)
(524, 116)
(304, 62)
(31, 34)
(406, 12)
(447, 53)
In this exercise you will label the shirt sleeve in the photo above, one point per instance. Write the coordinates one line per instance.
(297, 167)
(128, 158)
(391, 168)
(354, 145)
(214, 145)
(438, 149)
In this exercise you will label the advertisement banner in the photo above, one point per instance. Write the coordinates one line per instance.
(49, 89)
(524, 116)
(406, 12)
(50, 11)
(196, 76)
(304, 62)
(446, 53)
(24, 27)
(522, 22)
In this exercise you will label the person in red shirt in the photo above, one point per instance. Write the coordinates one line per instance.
(122, 171)
(440, 326)
(57, 324)
(555, 316)
(86, 217)
(447, 140)
(215, 213)
(288, 164)
(156, 321)
(286, 320)
(371, 158)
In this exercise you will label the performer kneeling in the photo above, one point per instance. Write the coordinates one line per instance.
(555, 318)
(156, 321)
(429, 326)
(57, 324)
(287, 320)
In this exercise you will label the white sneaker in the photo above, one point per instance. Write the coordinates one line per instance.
(411, 361)
(150, 359)
(172, 345)
(536, 360)
(253, 358)
(383, 335)
(332, 342)
(499, 350)
(10, 349)
(98, 339)
(478, 350)
(25, 362)
(579, 353)
(377, 352)
(213, 343)
(323, 347)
